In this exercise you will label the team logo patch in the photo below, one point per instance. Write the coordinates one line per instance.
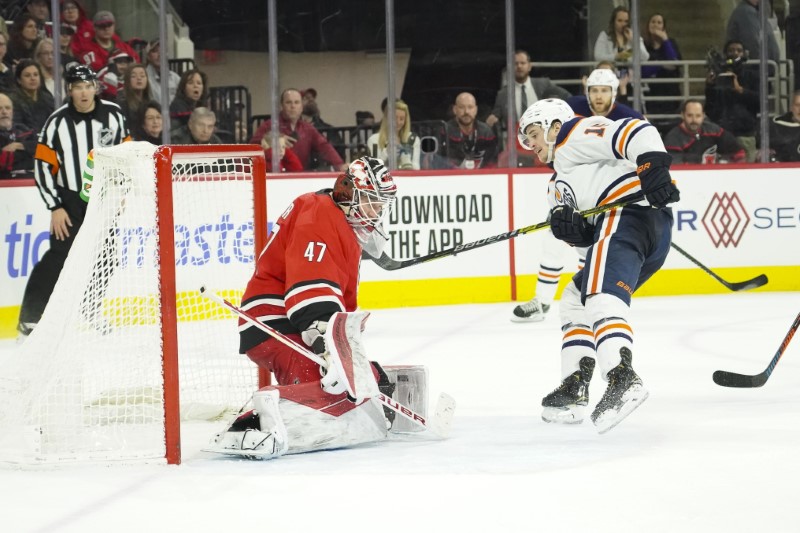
(725, 219)
(564, 194)
(105, 137)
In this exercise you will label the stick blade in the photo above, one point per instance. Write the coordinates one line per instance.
(386, 262)
(732, 379)
(756, 282)
(442, 418)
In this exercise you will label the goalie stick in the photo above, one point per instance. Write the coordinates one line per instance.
(387, 263)
(732, 379)
(754, 283)
(442, 418)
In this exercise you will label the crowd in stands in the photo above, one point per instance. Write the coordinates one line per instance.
(719, 126)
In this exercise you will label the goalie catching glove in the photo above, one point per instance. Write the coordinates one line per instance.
(653, 171)
(569, 226)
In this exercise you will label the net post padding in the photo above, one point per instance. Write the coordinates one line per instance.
(127, 347)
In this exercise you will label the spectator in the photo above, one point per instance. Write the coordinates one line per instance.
(112, 76)
(614, 43)
(135, 91)
(45, 56)
(311, 114)
(661, 48)
(64, 44)
(148, 124)
(365, 126)
(40, 10)
(600, 100)
(96, 51)
(527, 91)
(17, 143)
(470, 142)
(153, 61)
(289, 160)
(732, 97)
(6, 72)
(64, 143)
(784, 133)
(192, 92)
(301, 136)
(33, 104)
(22, 40)
(407, 143)
(199, 129)
(74, 16)
(696, 140)
(744, 26)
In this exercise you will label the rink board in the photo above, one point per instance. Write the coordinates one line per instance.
(738, 220)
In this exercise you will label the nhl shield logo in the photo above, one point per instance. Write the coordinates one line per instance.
(105, 137)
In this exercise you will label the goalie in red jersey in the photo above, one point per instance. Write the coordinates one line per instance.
(308, 271)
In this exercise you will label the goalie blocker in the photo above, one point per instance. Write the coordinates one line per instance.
(337, 411)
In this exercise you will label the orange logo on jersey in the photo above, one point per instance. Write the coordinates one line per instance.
(642, 168)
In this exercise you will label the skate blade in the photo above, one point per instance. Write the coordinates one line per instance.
(564, 415)
(632, 400)
(244, 454)
(533, 318)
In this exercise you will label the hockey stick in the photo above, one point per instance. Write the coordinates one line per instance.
(445, 408)
(732, 379)
(387, 263)
(754, 283)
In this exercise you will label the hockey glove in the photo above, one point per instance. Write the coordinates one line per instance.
(653, 170)
(569, 226)
(314, 336)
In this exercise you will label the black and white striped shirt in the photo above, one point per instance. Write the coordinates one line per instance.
(65, 141)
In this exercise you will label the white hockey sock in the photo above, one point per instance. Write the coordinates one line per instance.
(609, 318)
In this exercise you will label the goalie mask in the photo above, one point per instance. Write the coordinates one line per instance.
(543, 113)
(366, 193)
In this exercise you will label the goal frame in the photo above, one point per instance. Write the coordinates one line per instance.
(164, 157)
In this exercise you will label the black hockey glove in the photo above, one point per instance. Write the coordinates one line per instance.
(653, 170)
(569, 226)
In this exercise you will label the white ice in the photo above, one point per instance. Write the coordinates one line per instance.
(694, 457)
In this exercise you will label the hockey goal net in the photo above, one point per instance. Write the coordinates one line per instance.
(127, 347)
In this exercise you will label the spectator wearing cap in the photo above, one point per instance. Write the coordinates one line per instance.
(301, 136)
(96, 52)
(81, 29)
(22, 39)
(192, 92)
(33, 103)
(112, 76)
(40, 10)
(153, 62)
(311, 114)
(199, 129)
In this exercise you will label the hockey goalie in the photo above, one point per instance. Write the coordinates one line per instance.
(305, 287)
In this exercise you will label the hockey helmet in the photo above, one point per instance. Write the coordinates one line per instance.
(78, 73)
(543, 113)
(366, 192)
(603, 77)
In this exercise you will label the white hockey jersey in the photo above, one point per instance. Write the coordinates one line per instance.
(595, 160)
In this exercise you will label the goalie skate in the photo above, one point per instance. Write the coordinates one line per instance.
(625, 392)
(567, 404)
(256, 434)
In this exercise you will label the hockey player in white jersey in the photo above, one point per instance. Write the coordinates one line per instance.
(598, 161)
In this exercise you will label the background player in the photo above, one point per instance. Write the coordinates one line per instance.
(308, 271)
(598, 161)
(600, 101)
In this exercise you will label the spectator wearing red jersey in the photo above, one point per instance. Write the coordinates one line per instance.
(697, 140)
(289, 161)
(74, 15)
(302, 137)
(95, 52)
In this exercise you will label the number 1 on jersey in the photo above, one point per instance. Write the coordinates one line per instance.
(309, 253)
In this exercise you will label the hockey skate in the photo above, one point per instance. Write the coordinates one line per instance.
(256, 434)
(533, 311)
(625, 392)
(567, 404)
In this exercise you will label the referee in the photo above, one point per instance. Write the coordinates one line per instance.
(83, 123)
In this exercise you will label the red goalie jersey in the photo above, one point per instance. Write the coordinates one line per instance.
(308, 270)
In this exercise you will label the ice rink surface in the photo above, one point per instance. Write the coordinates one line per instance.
(694, 457)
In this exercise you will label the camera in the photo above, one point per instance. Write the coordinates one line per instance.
(723, 67)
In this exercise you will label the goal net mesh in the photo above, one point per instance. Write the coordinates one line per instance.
(88, 383)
